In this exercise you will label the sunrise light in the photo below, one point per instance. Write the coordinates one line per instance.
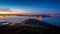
(13, 12)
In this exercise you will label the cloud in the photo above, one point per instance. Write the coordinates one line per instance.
(4, 9)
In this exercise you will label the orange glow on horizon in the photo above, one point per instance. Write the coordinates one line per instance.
(14, 12)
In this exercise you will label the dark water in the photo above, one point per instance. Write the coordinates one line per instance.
(54, 20)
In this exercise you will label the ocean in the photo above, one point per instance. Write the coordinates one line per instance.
(54, 20)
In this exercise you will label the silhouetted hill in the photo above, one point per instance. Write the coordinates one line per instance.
(30, 26)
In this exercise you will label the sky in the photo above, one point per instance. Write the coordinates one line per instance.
(31, 6)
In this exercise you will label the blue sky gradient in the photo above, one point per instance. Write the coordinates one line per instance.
(34, 6)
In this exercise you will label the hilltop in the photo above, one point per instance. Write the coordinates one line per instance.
(30, 26)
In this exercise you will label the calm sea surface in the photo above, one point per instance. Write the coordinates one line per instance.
(55, 20)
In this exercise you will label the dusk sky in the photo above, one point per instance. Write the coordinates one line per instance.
(32, 6)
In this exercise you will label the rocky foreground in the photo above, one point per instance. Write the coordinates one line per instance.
(30, 26)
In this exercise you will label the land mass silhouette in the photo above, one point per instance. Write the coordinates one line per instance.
(30, 26)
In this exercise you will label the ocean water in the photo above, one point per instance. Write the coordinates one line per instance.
(54, 20)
